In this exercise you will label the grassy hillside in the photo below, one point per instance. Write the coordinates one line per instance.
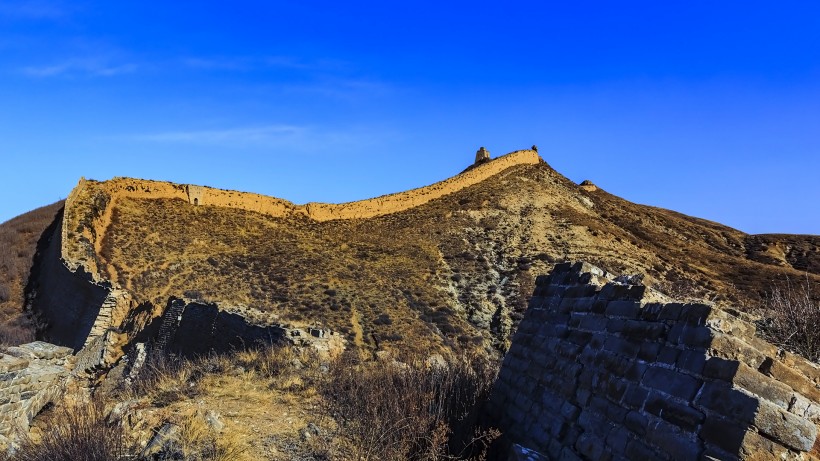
(18, 242)
(453, 273)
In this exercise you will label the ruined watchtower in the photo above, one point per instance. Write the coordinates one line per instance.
(195, 194)
(483, 155)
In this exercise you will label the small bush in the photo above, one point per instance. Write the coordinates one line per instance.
(792, 319)
(407, 412)
(78, 432)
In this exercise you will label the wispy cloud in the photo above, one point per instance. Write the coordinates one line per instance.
(281, 136)
(33, 9)
(257, 63)
(79, 67)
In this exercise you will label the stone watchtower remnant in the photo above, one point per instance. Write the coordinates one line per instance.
(482, 155)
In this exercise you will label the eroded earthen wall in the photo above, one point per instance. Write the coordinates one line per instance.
(599, 373)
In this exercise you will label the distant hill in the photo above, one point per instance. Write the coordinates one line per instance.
(442, 268)
(18, 241)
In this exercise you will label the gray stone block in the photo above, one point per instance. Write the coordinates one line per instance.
(728, 402)
(671, 382)
(622, 346)
(675, 412)
(722, 433)
(788, 429)
(627, 309)
(636, 422)
(692, 361)
(591, 448)
(695, 314)
(634, 397)
(676, 444)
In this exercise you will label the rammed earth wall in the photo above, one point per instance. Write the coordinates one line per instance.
(598, 372)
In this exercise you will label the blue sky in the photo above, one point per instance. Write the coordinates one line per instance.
(708, 108)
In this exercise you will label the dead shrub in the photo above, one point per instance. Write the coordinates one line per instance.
(416, 412)
(76, 432)
(792, 318)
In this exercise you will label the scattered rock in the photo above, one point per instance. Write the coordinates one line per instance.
(165, 443)
(214, 421)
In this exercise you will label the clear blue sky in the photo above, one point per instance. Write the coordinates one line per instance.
(708, 108)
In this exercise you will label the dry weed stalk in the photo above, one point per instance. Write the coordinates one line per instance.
(793, 318)
(417, 412)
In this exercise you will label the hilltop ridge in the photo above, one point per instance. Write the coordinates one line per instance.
(445, 267)
(90, 203)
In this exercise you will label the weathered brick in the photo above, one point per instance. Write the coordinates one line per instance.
(677, 444)
(627, 309)
(692, 361)
(616, 389)
(593, 322)
(636, 422)
(712, 453)
(677, 413)
(569, 411)
(670, 311)
(788, 429)
(763, 386)
(635, 396)
(723, 433)
(649, 351)
(726, 401)
(599, 306)
(592, 448)
(580, 338)
(567, 454)
(593, 422)
(695, 314)
(651, 311)
(617, 439)
(719, 368)
(668, 355)
(791, 377)
(645, 331)
(671, 382)
(696, 336)
(731, 348)
(636, 449)
(622, 346)
(615, 325)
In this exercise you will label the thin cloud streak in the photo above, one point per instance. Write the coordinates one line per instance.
(79, 67)
(250, 63)
(281, 136)
(33, 10)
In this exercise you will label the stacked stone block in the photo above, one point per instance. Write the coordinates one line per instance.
(31, 376)
(597, 372)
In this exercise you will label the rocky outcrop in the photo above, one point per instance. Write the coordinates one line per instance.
(31, 376)
(599, 370)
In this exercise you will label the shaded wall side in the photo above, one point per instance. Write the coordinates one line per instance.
(593, 372)
(67, 301)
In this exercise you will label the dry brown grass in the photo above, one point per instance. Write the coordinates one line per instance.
(77, 432)
(415, 412)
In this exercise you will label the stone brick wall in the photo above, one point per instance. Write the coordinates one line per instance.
(31, 376)
(598, 371)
